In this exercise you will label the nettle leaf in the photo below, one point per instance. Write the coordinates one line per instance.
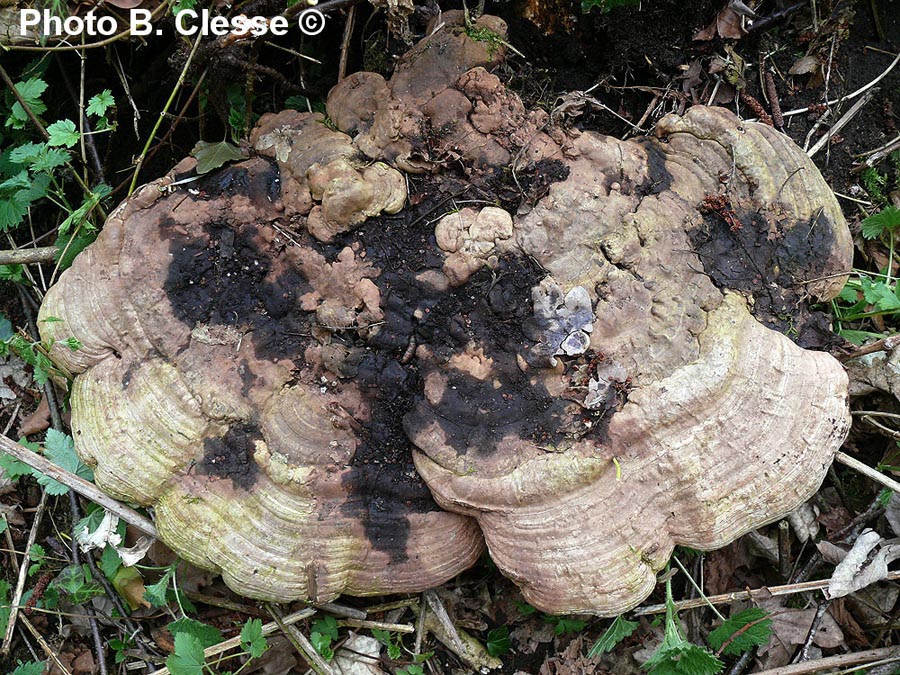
(64, 133)
(676, 655)
(747, 629)
(59, 448)
(77, 217)
(213, 155)
(252, 639)
(205, 634)
(886, 221)
(50, 159)
(620, 629)
(100, 103)
(188, 658)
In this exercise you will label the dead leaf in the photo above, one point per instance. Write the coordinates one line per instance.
(805, 65)
(37, 421)
(84, 663)
(129, 583)
(726, 25)
(359, 656)
(858, 570)
(804, 523)
(830, 553)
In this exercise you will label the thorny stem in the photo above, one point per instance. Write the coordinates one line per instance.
(162, 115)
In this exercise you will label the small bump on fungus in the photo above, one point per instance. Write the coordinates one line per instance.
(319, 397)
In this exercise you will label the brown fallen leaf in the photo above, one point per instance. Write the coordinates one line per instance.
(726, 25)
(37, 421)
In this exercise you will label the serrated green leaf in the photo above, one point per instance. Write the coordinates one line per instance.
(59, 448)
(877, 224)
(252, 639)
(205, 634)
(188, 658)
(620, 629)
(29, 668)
(30, 90)
(50, 159)
(63, 132)
(13, 468)
(11, 213)
(12, 273)
(100, 103)
(26, 153)
(747, 629)
(211, 156)
(156, 593)
(4, 605)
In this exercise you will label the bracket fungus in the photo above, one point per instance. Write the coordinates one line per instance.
(323, 385)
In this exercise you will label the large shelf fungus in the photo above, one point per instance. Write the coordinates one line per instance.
(322, 385)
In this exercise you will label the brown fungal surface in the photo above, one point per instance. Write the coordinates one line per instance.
(288, 357)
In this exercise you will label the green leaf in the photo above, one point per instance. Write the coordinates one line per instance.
(620, 629)
(69, 245)
(13, 468)
(524, 608)
(4, 605)
(64, 133)
(562, 625)
(252, 639)
(606, 5)
(76, 582)
(77, 217)
(30, 91)
(156, 593)
(26, 154)
(6, 329)
(747, 629)
(100, 103)
(188, 658)
(13, 273)
(30, 668)
(886, 221)
(858, 337)
(326, 626)
(59, 448)
(205, 634)
(50, 159)
(498, 641)
(38, 557)
(677, 656)
(110, 561)
(213, 155)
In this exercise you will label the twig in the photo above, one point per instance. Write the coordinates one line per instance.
(821, 665)
(267, 629)
(842, 122)
(803, 654)
(344, 611)
(27, 256)
(849, 97)
(78, 484)
(867, 471)
(46, 647)
(162, 115)
(301, 642)
(381, 625)
(23, 576)
(750, 594)
(345, 42)
(885, 344)
(774, 103)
